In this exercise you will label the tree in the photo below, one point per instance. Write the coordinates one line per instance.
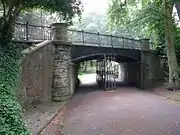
(11, 122)
(169, 34)
(155, 19)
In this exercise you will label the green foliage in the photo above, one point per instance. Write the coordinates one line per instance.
(143, 17)
(11, 122)
(147, 21)
(121, 12)
(10, 10)
(65, 8)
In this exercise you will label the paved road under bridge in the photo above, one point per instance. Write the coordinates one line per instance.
(126, 111)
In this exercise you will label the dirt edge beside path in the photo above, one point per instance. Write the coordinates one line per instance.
(39, 117)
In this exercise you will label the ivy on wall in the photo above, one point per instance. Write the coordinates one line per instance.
(11, 122)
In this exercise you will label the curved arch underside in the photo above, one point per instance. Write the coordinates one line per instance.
(85, 53)
(119, 58)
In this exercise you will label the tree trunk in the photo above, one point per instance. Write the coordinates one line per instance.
(169, 32)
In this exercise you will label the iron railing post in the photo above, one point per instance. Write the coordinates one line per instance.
(98, 39)
(50, 33)
(111, 40)
(27, 31)
(83, 36)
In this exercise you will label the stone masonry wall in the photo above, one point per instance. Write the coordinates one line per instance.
(152, 69)
(61, 85)
(132, 73)
(72, 78)
(36, 73)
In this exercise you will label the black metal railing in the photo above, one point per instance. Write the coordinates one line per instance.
(33, 32)
(97, 39)
(25, 31)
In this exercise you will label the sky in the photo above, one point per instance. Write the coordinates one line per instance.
(99, 7)
(95, 6)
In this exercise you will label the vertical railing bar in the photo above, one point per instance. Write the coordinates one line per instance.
(116, 41)
(51, 33)
(83, 36)
(27, 31)
(111, 40)
(24, 28)
(44, 33)
(98, 39)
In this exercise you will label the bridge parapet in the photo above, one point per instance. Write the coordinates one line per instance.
(145, 44)
(60, 31)
(93, 39)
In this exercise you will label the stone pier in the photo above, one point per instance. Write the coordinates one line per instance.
(151, 68)
(63, 69)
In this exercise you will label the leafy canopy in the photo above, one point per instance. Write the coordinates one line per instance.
(66, 8)
(10, 10)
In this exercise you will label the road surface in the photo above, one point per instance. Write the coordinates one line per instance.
(125, 111)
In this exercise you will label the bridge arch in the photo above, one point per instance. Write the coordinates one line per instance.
(119, 58)
(81, 53)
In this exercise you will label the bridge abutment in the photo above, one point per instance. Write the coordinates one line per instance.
(132, 73)
(63, 84)
(61, 73)
(151, 68)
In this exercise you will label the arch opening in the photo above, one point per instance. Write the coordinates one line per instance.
(88, 77)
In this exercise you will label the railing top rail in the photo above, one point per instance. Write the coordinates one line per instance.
(27, 24)
(101, 34)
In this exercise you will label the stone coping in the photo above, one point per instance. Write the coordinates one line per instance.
(62, 42)
(35, 47)
(42, 44)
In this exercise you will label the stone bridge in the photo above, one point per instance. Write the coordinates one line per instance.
(49, 69)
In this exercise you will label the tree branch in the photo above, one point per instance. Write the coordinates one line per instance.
(123, 4)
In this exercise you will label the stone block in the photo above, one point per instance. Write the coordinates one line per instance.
(60, 82)
(145, 44)
(61, 64)
(60, 94)
(63, 46)
(62, 91)
(60, 71)
(60, 99)
(59, 31)
(62, 57)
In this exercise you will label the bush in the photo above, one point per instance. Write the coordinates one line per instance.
(11, 122)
